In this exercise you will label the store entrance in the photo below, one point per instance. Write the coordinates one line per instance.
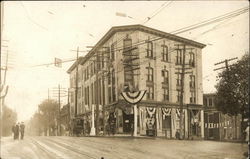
(128, 120)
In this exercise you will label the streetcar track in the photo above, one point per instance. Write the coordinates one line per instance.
(112, 149)
(44, 149)
(71, 148)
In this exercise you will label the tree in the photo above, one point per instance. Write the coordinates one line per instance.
(233, 89)
(45, 119)
(9, 119)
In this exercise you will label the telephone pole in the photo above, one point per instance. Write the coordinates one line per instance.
(59, 92)
(182, 73)
(59, 111)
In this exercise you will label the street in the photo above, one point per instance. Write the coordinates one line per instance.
(117, 148)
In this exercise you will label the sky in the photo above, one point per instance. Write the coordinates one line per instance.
(37, 32)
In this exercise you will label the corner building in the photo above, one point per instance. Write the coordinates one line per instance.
(140, 58)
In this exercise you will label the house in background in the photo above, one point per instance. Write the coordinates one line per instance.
(219, 126)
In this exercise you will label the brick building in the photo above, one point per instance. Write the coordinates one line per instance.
(142, 58)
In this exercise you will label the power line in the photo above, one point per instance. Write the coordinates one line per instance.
(212, 20)
(160, 9)
(27, 14)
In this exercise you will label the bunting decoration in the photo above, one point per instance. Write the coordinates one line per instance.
(133, 97)
(151, 111)
(178, 114)
(166, 112)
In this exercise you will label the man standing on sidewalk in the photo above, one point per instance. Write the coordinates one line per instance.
(22, 127)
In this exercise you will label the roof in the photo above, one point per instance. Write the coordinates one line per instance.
(209, 94)
(142, 28)
(72, 67)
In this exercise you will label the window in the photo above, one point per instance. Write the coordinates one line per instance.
(192, 97)
(165, 76)
(205, 102)
(112, 51)
(92, 93)
(91, 70)
(109, 95)
(87, 72)
(150, 92)
(191, 59)
(127, 45)
(85, 96)
(103, 92)
(179, 57)
(166, 94)
(210, 102)
(109, 78)
(88, 96)
(149, 49)
(98, 59)
(113, 86)
(164, 53)
(178, 95)
(192, 82)
(150, 75)
(127, 53)
(178, 80)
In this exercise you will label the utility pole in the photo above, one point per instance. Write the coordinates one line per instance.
(76, 90)
(59, 111)
(76, 84)
(183, 69)
(182, 91)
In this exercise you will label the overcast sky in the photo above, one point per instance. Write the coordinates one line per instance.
(37, 32)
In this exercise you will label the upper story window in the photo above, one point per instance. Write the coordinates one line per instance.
(150, 92)
(192, 97)
(91, 70)
(150, 75)
(205, 101)
(127, 45)
(178, 95)
(192, 81)
(165, 53)
(112, 51)
(165, 76)
(191, 59)
(179, 57)
(166, 94)
(149, 49)
(210, 102)
(87, 72)
(178, 80)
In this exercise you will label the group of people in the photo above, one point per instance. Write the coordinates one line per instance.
(18, 128)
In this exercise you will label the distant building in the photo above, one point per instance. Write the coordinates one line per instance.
(142, 58)
(219, 126)
(65, 119)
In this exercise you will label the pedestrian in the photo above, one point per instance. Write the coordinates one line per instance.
(22, 127)
(17, 131)
(14, 131)
(177, 135)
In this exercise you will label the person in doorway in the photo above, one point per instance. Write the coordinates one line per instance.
(22, 127)
(177, 135)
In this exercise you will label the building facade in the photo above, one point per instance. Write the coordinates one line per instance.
(136, 57)
(219, 126)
